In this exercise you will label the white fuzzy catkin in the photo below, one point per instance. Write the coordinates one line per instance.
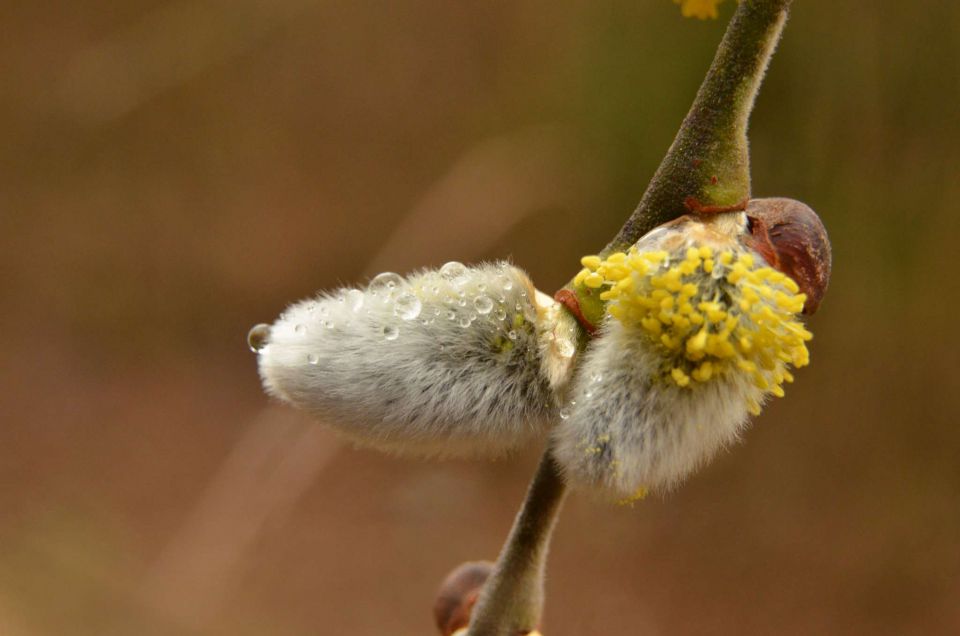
(623, 432)
(445, 362)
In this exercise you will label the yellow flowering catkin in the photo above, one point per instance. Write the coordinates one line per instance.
(708, 314)
(701, 9)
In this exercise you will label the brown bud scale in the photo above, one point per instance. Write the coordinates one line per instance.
(792, 239)
(458, 594)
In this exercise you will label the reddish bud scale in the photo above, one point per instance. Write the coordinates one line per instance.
(569, 300)
(458, 594)
(791, 238)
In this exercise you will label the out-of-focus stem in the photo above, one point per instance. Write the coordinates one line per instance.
(512, 599)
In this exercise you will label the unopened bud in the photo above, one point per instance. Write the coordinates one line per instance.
(460, 360)
(458, 594)
(792, 239)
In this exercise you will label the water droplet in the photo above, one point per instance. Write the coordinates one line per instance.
(501, 314)
(566, 348)
(564, 413)
(454, 272)
(300, 328)
(407, 306)
(512, 334)
(481, 287)
(386, 282)
(313, 358)
(483, 304)
(462, 302)
(451, 315)
(390, 332)
(257, 337)
(465, 322)
(507, 284)
(354, 299)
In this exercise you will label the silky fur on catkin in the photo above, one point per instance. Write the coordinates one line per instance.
(445, 362)
(626, 432)
(699, 331)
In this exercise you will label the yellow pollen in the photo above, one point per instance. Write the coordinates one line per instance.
(700, 9)
(656, 257)
(617, 257)
(703, 372)
(698, 342)
(709, 313)
(591, 262)
(639, 495)
(593, 280)
(652, 325)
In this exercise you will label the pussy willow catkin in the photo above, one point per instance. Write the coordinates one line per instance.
(460, 360)
(696, 337)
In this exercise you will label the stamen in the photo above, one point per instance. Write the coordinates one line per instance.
(709, 313)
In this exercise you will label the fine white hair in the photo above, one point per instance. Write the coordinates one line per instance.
(444, 362)
(625, 430)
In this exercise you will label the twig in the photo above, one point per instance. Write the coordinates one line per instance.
(512, 599)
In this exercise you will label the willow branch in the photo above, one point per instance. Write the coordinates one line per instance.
(707, 168)
(512, 599)
(709, 159)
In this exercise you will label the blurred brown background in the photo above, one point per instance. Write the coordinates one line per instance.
(174, 172)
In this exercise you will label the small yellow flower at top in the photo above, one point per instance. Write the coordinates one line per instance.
(701, 9)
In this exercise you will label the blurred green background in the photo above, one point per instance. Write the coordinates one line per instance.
(174, 172)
